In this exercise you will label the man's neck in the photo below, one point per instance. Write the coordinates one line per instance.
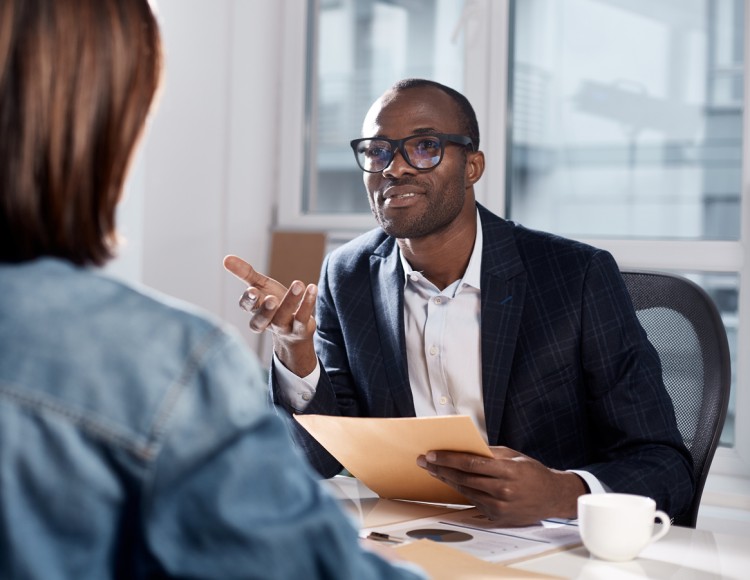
(442, 258)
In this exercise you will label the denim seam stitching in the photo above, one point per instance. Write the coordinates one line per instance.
(175, 390)
(41, 402)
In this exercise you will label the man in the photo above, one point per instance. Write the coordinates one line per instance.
(447, 309)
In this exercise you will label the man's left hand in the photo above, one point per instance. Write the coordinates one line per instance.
(510, 488)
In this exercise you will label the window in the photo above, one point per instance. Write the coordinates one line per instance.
(617, 122)
(627, 118)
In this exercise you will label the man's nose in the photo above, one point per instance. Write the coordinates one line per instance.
(398, 166)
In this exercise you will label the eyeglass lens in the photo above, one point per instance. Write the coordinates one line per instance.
(421, 152)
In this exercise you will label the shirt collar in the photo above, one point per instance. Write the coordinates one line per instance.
(473, 271)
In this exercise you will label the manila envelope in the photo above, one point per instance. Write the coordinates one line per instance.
(382, 453)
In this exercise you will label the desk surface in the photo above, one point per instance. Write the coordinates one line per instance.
(683, 554)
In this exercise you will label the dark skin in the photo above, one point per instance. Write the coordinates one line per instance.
(432, 215)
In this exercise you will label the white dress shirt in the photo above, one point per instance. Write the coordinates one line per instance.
(443, 342)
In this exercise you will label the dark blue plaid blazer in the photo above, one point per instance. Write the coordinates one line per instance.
(568, 374)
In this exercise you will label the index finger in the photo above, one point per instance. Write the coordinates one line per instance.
(243, 271)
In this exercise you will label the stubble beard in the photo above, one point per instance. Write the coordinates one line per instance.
(431, 220)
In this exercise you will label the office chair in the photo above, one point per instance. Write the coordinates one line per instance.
(683, 324)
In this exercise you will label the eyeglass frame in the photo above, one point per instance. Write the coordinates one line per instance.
(398, 145)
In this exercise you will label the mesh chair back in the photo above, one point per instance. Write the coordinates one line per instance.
(684, 325)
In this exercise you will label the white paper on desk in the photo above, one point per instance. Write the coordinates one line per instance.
(483, 539)
(383, 453)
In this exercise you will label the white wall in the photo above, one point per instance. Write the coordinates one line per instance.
(205, 181)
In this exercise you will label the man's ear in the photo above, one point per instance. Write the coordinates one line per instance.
(474, 166)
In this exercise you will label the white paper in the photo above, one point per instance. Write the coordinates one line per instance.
(486, 541)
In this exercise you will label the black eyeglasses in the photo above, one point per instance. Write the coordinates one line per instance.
(374, 154)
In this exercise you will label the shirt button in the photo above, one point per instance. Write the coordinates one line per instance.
(438, 300)
(433, 350)
(414, 277)
(306, 396)
(443, 400)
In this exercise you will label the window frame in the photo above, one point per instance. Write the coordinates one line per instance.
(295, 110)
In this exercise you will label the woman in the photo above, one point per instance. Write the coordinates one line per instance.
(135, 437)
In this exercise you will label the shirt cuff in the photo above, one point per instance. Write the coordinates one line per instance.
(594, 485)
(297, 392)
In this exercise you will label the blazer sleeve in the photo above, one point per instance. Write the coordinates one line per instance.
(638, 445)
(326, 401)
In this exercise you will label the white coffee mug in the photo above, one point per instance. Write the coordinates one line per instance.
(617, 526)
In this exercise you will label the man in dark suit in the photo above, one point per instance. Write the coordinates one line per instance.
(449, 309)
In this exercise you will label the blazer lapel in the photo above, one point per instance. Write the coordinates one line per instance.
(387, 277)
(503, 284)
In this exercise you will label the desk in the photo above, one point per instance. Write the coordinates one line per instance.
(684, 553)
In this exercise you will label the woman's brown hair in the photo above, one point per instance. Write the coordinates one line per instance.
(77, 79)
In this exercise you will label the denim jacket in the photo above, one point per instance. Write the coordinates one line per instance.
(136, 441)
